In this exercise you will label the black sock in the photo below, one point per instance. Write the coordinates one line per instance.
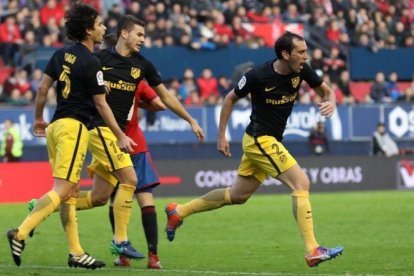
(149, 222)
(111, 211)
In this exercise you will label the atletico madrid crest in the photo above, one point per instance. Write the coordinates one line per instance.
(295, 82)
(135, 72)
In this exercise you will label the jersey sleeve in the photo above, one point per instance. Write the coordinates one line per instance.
(310, 76)
(245, 85)
(50, 69)
(151, 74)
(94, 76)
(147, 93)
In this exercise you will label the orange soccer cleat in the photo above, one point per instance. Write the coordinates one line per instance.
(322, 254)
(173, 220)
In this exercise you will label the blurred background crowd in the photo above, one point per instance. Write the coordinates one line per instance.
(331, 27)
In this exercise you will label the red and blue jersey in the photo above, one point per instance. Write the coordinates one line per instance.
(146, 94)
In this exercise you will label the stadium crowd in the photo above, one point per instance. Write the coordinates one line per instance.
(330, 27)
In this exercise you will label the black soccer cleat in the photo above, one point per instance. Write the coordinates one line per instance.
(16, 246)
(84, 261)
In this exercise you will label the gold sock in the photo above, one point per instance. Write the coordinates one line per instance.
(303, 214)
(84, 200)
(122, 211)
(212, 200)
(70, 225)
(44, 207)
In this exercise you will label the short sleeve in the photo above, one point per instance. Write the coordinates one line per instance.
(310, 76)
(94, 77)
(50, 69)
(245, 85)
(151, 74)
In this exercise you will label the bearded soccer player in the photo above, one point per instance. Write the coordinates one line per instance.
(80, 88)
(273, 87)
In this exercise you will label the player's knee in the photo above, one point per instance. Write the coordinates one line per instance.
(239, 199)
(131, 180)
(303, 185)
(99, 200)
(65, 195)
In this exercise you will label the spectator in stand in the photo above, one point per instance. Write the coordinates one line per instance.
(230, 10)
(400, 33)
(259, 15)
(35, 79)
(176, 12)
(135, 9)
(193, 99)
(407, 18)
(344, 85)
(220, 26)
(333, 33)
(200, 9)
(317, 63)
(408, 96)
(17, 99)
(379, 92)
(19, 81)
(382, 143)
(27, 50)
(318, 141)
(238, 29)
(224, 86)
(10, 39)
(161, 11)
(382, 31)
(188, 84)
(52, 9)
(409, 41)
(334, 64)
(208, 85)
(180, 29)
(11, 148)
(392, 86)
(292, 15)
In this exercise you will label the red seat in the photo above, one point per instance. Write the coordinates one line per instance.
(360, 89)
(5, 72)
(403, 86)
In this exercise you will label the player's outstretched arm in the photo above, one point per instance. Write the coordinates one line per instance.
(174, 104)
(222, 144)
(154, 105)
(328, 104)
(39, 127)
(124, 142)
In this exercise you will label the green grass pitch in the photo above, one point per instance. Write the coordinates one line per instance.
(258, 238)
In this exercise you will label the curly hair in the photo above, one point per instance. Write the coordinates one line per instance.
(79, 18)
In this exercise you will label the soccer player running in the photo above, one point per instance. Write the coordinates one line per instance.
(80, 88)
(124, 68)
(146, 98)
(273, 87)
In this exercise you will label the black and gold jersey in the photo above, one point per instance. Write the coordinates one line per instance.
(122, 75)
(78, 75)
(272, 96)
